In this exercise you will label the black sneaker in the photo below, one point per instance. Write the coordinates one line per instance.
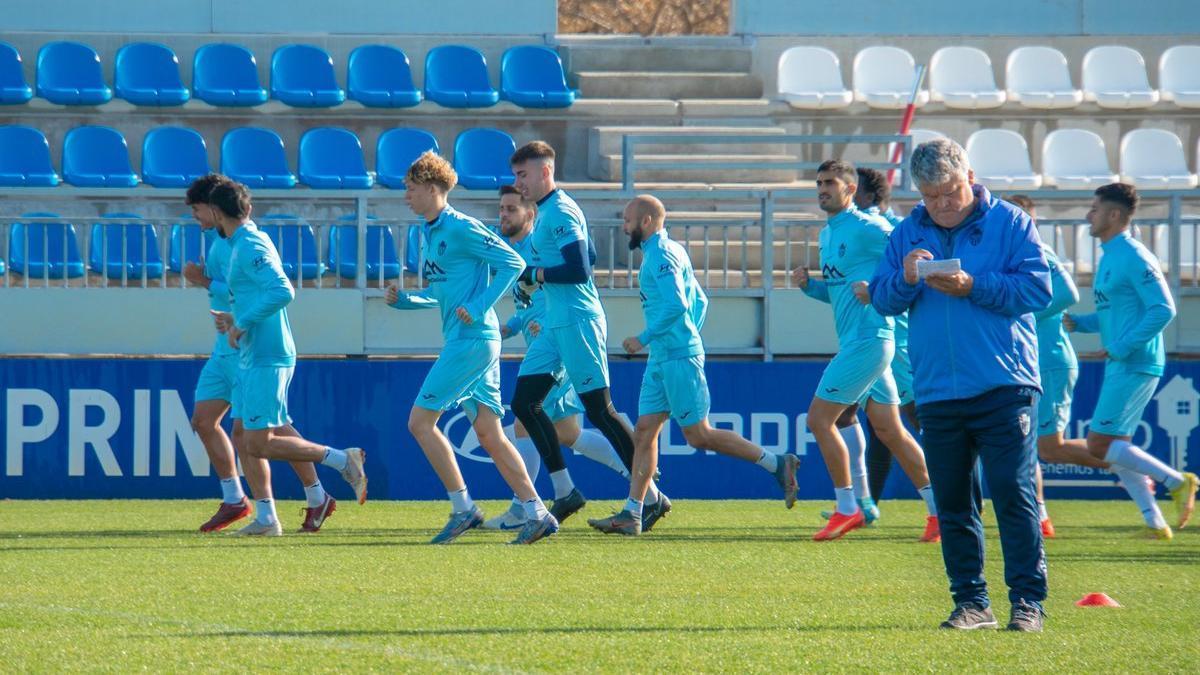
(1026, 617)
(652, 513)
(566, 507)
(970, 616)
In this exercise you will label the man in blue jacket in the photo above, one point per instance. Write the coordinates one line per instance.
(973, 344)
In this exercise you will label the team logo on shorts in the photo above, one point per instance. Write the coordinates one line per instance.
(1023, 420)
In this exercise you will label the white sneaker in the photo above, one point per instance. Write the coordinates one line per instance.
(512, 519)
(354, 474)
(257, 529)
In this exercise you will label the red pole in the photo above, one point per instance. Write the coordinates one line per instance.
(906, 121)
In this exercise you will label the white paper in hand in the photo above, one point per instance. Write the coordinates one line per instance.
(927, 267)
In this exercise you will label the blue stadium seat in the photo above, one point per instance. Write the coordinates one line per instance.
(481, 158)
(189, 244)
(255, 157)
(41, 250)
(227, 75)
(124, 247)
(396, 150)
(25, 158)
(332, 158)
(69, 73)
(147, 73)
(173, 157)
(342, 253)
(97, 157)
(13, 87)
(412, 249)
(457, 77)
(380, 76)
(296, 244)
(533, 77)
(302, 76)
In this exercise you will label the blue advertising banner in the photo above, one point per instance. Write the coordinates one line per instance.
(119, 428)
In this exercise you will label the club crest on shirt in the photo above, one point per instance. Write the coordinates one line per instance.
(975, 237)
(1023, 420)
(842, 250)
(441, 248)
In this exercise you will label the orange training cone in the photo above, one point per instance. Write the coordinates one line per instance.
(1096, 600)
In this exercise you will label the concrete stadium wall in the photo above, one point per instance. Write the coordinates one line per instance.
(348, 322)
(445, 17)
(953, 17)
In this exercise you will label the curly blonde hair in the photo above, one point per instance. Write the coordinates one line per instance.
(432, 168)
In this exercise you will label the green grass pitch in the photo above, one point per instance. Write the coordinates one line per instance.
(717, 587)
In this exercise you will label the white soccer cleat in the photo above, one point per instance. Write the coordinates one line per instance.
(512, 519)
(257, 529)
(355, 474)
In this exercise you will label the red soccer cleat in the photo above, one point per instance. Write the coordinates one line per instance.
(1047, 529)
(314, 517)
(227, 515)
(839, 525)
(933, 530)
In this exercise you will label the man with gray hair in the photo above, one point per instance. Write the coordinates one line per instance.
(969, 270)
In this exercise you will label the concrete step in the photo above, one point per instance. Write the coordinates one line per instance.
(607, 140)
(717, 59)
(671, 85)
(714, 281)
(754, 168)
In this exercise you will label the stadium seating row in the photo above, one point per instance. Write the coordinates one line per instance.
(126, 248)
(1076, 159)
(961, 78)
(172, 157)
(147, 74)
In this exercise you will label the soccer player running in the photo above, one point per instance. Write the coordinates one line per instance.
(1133, 306)
(674, 385)
(217, 386)
(258, 327)
(1057, 365)
(562, 405)
(851, 245)
(458, 251)
(574, 334)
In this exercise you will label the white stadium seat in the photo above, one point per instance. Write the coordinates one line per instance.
(1000, 160)
(1152, 159)
(1179, 75)
(1038, 77)
(883, 78)
(1115, 77)
(1075, 159)
(811, 78)
(961, 77)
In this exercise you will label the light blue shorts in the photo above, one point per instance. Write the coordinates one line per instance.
(581, 349)
(262, 397)
(219, 378)
(466, 373)
(902, 375)
(1123, 398)
(1054, 410)
(678, 387)
(562, 401)
(860, 371)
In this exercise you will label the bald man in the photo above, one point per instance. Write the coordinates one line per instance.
(674, 386)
